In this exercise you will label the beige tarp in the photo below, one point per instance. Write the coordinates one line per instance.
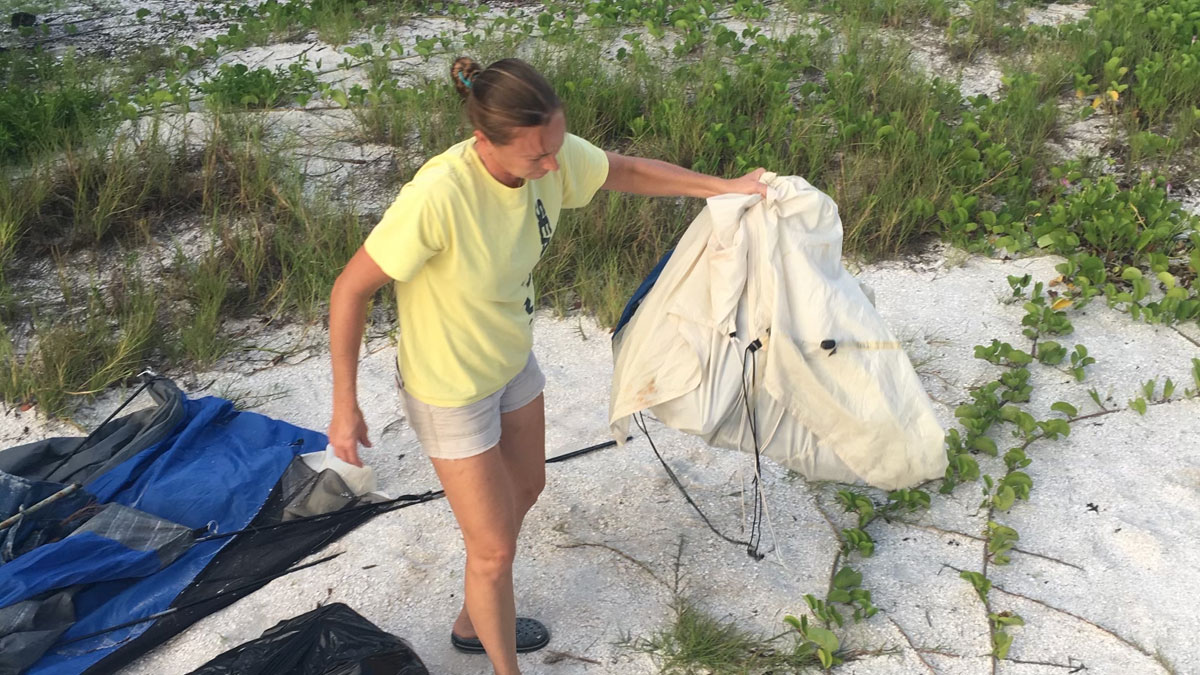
(770, 270)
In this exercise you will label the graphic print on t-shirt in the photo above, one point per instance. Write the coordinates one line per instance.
(544, 227)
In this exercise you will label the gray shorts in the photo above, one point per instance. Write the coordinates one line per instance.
(457, 433)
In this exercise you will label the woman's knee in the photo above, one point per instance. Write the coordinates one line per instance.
(528, 494)
(491, 559)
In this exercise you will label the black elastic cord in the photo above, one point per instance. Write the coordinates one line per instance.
(383, 507)
(641, 423)
(756, 519)
(583, 451)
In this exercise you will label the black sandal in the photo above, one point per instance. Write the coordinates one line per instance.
(532, 635)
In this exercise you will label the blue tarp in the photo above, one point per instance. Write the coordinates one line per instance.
(635, 300)
(214, 471)
(86, 558)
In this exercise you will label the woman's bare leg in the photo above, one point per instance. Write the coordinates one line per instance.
(523, 450)
(481, 495)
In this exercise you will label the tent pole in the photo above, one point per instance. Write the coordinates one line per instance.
(65, 492)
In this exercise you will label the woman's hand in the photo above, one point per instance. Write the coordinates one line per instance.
(748, 184)
(346, 431)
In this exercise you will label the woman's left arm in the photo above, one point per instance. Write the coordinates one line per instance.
(655, 178)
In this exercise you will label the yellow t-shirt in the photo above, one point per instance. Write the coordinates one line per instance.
(462, 247)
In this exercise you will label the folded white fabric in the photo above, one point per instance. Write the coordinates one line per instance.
(360, 479)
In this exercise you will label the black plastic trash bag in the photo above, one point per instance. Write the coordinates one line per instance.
(330, 640)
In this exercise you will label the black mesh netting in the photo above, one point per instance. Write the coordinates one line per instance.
(256, 555)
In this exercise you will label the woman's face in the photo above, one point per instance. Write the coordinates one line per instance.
(530, 153)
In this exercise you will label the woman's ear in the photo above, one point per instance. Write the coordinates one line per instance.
(480, 139)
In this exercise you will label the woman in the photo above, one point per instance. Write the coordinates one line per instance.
(461, 241)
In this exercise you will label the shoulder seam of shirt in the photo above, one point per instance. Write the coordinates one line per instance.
(441, 184)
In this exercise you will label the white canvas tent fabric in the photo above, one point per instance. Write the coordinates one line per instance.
(770, 270)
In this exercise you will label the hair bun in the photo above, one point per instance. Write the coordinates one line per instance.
(462, 74)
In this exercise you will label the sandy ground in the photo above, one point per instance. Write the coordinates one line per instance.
(1109, 559)
(1106, 575)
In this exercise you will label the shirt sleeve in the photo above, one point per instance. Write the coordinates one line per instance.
(583, 168)
(412, 230)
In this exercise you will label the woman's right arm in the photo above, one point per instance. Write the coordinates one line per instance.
(347, 320)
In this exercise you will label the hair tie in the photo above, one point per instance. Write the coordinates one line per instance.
(465, 81)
